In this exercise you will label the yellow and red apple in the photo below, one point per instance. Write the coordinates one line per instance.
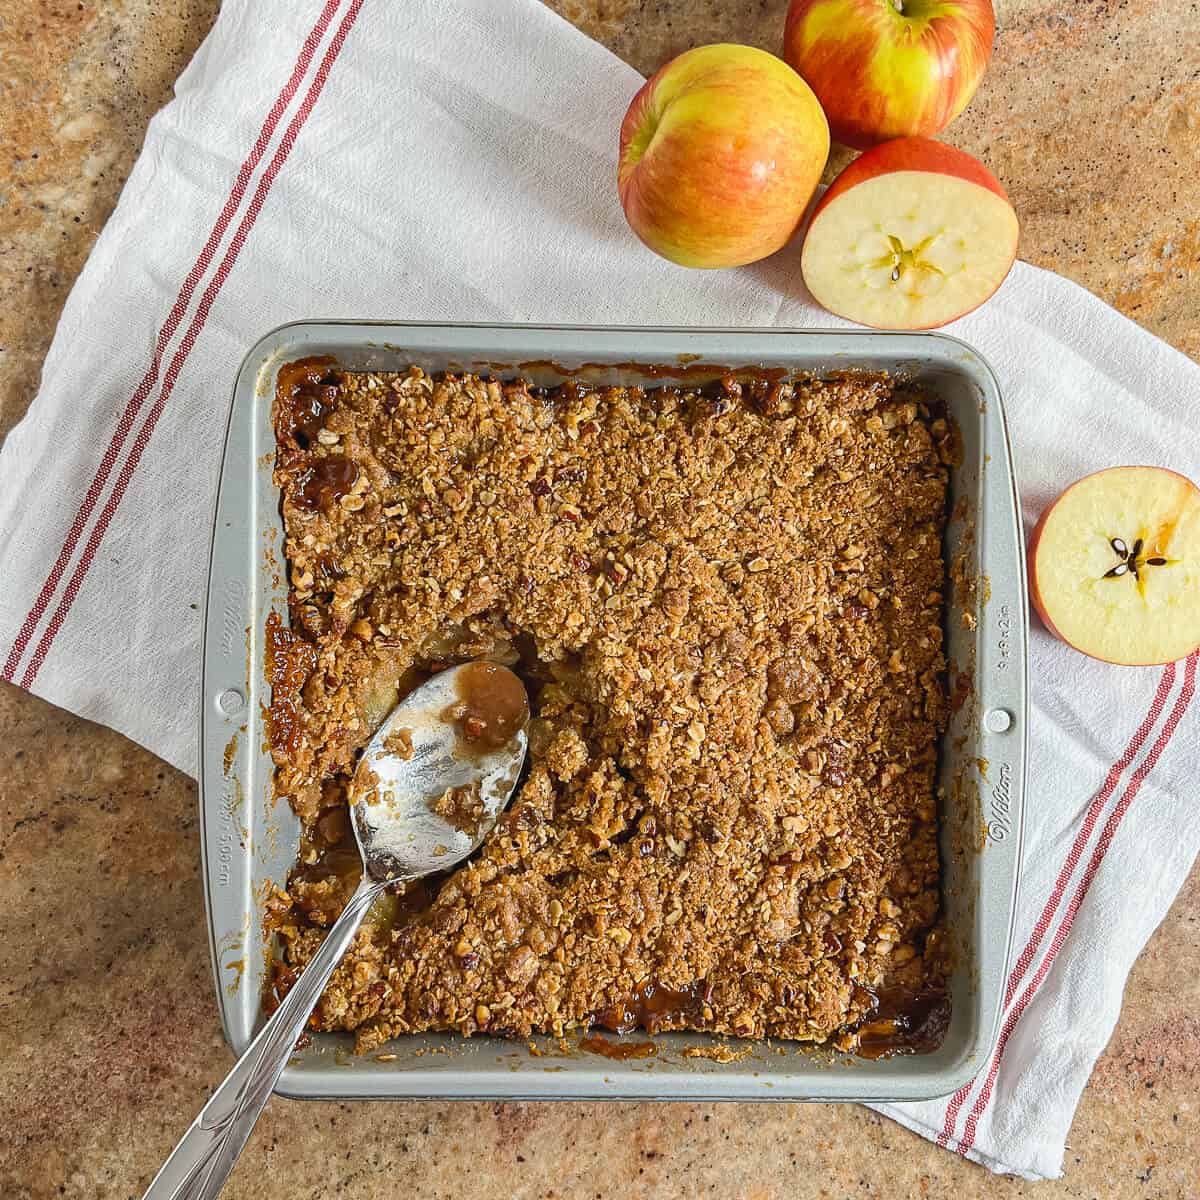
(890, 68)
(720, 153)
(1114, 566)
(912, 234)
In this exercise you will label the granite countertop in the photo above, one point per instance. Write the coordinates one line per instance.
(1090, 116)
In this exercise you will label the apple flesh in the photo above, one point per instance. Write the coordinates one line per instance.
(1115, 566)
(720, 153)
(890, 68)
(910, 235)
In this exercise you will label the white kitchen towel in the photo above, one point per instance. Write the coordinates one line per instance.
(455, 159)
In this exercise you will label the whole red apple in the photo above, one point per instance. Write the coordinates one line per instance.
(720, 154)
(890, 68)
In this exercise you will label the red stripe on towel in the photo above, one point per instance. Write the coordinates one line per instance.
(193, 332)
(1106, 837)
(166, 332)
(1165, 683)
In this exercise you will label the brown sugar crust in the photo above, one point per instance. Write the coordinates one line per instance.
(726, 603)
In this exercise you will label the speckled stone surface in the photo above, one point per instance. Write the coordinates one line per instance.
(1091, 117)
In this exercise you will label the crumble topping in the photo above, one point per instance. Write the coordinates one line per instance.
(726, 604)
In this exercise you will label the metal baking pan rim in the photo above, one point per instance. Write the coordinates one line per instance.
(301, 1081)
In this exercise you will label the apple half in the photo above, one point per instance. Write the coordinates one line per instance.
(912, 234)
(1115, 566)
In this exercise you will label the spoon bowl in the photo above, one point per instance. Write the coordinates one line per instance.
(437, 774)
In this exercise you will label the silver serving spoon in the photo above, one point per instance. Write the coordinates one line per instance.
(414, 812)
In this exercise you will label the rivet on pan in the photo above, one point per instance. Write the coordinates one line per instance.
(231, 701)
(997, 720)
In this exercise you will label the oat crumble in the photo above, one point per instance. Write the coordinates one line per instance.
(726, 603)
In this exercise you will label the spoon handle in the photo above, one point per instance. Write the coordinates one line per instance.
(201, 1162)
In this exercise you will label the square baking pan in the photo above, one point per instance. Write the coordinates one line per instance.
(249, 843)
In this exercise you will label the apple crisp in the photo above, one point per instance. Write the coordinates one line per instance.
(726, 604)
